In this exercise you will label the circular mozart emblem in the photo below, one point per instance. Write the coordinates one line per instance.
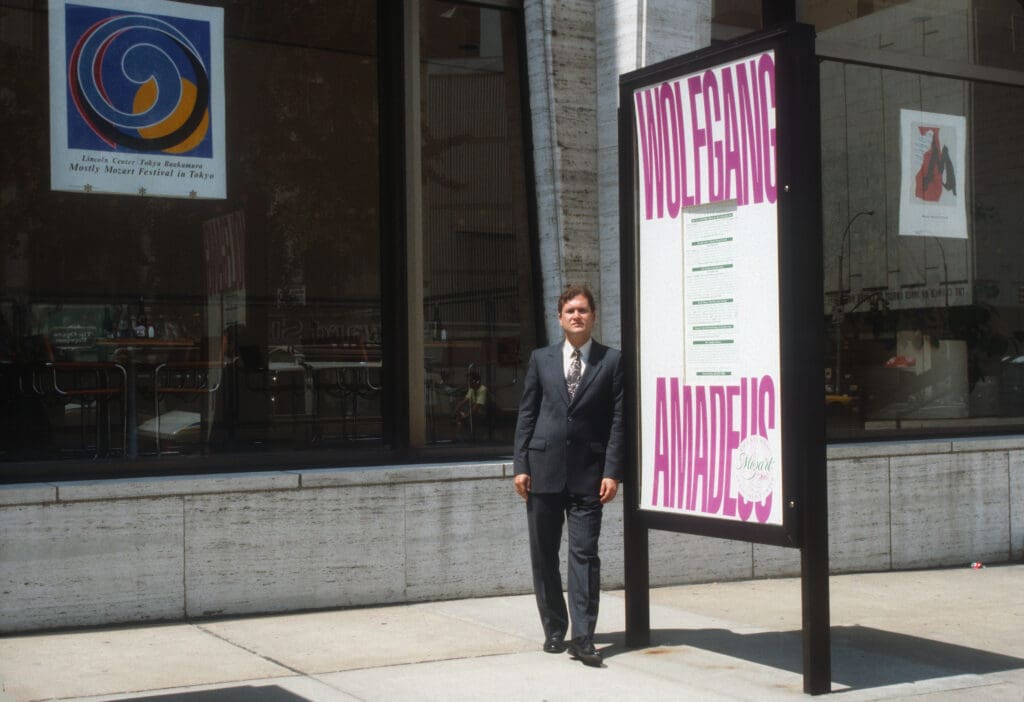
(753, 469)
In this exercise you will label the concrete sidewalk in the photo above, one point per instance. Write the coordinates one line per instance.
(922, 635)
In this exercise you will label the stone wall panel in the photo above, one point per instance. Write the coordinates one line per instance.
(950, 509)
(858, 507)
(307, 549)
(84, 564)
(465, 539)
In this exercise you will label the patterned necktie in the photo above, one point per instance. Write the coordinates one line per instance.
(572, 380)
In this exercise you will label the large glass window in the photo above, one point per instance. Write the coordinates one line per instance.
(478, 290)
(984, 33)
(922, 175)
(137, 325)
(732, 18)
(248, 328)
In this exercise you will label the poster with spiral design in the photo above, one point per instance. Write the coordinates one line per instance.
(137, 98)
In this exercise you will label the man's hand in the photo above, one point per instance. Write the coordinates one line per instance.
(522, 483)
(609, 487)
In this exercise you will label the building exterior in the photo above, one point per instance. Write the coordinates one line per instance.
(406, 189)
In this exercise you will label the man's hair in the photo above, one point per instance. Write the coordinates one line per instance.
(575, 291)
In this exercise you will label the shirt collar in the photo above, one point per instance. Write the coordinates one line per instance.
(567, 349)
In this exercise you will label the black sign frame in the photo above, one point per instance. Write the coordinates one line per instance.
(801, 330)
(801, 321)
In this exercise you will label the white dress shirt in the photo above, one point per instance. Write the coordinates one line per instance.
(567, 350)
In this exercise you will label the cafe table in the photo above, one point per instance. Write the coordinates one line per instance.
(312, 370)
(131, 350)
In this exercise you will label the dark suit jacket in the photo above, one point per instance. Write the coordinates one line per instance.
(571, 445)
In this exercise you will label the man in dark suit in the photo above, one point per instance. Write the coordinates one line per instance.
(569, 453)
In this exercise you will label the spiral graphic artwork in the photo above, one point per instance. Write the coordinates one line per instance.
(138, 83)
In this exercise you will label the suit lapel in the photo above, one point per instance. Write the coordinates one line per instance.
(555, 359)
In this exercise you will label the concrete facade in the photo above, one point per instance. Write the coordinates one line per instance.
(151, 549)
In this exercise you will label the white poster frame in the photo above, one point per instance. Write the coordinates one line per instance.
(83, 115)
(933, 174)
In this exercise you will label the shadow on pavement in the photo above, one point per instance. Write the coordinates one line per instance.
(862, 657)
(242, 693)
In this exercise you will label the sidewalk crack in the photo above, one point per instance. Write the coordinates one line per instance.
(251, 651)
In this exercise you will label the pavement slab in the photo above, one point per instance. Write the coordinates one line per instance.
(329, 641)
(68, 665)
(913, 636)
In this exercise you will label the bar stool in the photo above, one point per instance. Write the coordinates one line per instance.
(83, 382)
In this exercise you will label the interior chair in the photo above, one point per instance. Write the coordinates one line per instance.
(273, 376)
(77, 385)
(342, 371)
(192, 380)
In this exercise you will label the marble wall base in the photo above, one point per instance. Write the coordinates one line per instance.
(105, 552)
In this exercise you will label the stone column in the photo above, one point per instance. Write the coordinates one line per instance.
(560, 58)
(631, 34)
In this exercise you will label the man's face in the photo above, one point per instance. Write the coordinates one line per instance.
(577, 320)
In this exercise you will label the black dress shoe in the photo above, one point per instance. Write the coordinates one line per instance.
(583, 650)
(554, 644)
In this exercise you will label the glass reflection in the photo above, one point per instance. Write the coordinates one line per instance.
(477, 273)
(925, 316)
(143, 326)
